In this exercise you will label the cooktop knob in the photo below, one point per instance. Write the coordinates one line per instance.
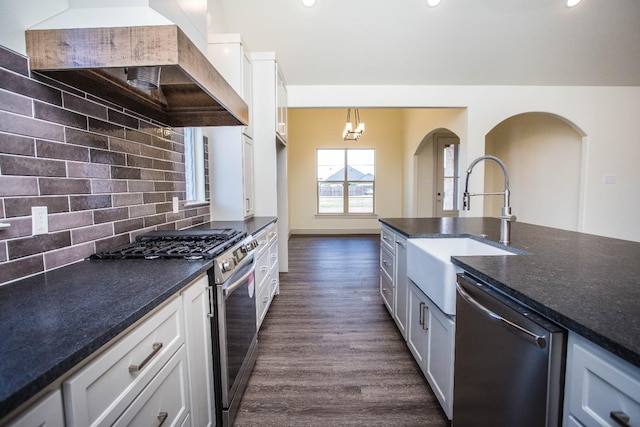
(227, 265)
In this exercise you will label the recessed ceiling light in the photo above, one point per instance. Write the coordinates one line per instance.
(309, 3)
(571, 3)
(433, 3)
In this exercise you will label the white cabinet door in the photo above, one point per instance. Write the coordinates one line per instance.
(247, 175)
(599, 386)
(198, 345)
(401, 281)
(440, 356)
(46, 412)
(418, 324)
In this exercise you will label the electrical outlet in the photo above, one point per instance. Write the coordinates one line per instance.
(39, 220)
(176, 206)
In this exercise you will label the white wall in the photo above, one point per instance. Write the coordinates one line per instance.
(606, 115)
(543, 156)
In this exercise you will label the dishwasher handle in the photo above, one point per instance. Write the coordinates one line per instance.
(534, 339)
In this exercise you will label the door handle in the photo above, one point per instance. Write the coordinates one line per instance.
(534, 339)
(621, 418)
(421, 315)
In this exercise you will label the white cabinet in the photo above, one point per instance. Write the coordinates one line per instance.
(401, 281)
(46, 412)
(100, 392)
(198, 346)
(281, 105)
(229, 54)
(394, 289)
(267, 273)
(599, 386)
(231, 148)
(247, 176)
(431, 339)
(231, 174)
(269, 145)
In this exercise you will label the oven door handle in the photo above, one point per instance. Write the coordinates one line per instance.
(232, 287)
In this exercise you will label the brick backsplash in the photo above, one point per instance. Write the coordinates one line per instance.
(106, 174)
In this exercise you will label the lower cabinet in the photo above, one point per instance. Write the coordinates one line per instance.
(267, 270)
(600, 388)
(431, 339)
(401, 312)
(46, 412)
(164, 401)
(199, 353)
(102, 391)
(158, 373)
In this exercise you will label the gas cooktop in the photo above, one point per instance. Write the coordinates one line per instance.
(188, 244)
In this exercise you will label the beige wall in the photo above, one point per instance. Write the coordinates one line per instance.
(310, 129)
(543, 155)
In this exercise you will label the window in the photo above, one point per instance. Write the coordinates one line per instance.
(346, 181)
(194, 164)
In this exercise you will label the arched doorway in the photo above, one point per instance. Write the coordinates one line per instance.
(436, 174)
(544, 156)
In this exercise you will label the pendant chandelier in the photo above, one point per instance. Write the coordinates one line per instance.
(351, 132)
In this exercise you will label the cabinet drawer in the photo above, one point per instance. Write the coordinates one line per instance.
(274, 280)
(386, 261)
(262, 304)
(164, 399)
(273, 253)
(262, 267)
(599, 383)
(264, 237)
(102, 390)
(386, 291)
(387, 239)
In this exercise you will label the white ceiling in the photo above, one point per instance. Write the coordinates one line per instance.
(460, 42)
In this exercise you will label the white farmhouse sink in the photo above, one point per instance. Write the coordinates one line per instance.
(429, 266)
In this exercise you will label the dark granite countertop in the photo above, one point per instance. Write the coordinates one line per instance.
(51, 322)
(586, 283)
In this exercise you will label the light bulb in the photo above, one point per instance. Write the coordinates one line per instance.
(309, 3)
(433, 3)
(571, 3)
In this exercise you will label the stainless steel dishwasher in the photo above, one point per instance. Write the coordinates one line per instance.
(509, 361)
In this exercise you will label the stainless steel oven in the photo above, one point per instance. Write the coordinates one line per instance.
(234, 322)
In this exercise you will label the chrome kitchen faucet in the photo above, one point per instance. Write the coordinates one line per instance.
(506, 218)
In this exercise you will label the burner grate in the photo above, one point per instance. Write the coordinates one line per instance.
(189, 244)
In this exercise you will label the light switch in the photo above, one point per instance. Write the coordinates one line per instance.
(609, 179)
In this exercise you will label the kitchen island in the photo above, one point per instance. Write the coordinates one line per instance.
(588, 284)
(52, 322)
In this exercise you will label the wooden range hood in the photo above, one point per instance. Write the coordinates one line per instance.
(191, 93)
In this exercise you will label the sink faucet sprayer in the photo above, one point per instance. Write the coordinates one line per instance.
(506, 218)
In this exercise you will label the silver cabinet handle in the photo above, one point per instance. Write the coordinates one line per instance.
(421, 315)
(137, 368)
(401, 243)
(425, 326)
(621, 418)
(385, 262)
(524, 333)
(162, 417)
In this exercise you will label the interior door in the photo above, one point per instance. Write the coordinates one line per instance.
(446, 194)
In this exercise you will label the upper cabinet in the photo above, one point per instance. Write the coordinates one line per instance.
(230, 56)
(270, 94)
(281, 105)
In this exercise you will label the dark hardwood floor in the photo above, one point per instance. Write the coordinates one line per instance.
(329, 352)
